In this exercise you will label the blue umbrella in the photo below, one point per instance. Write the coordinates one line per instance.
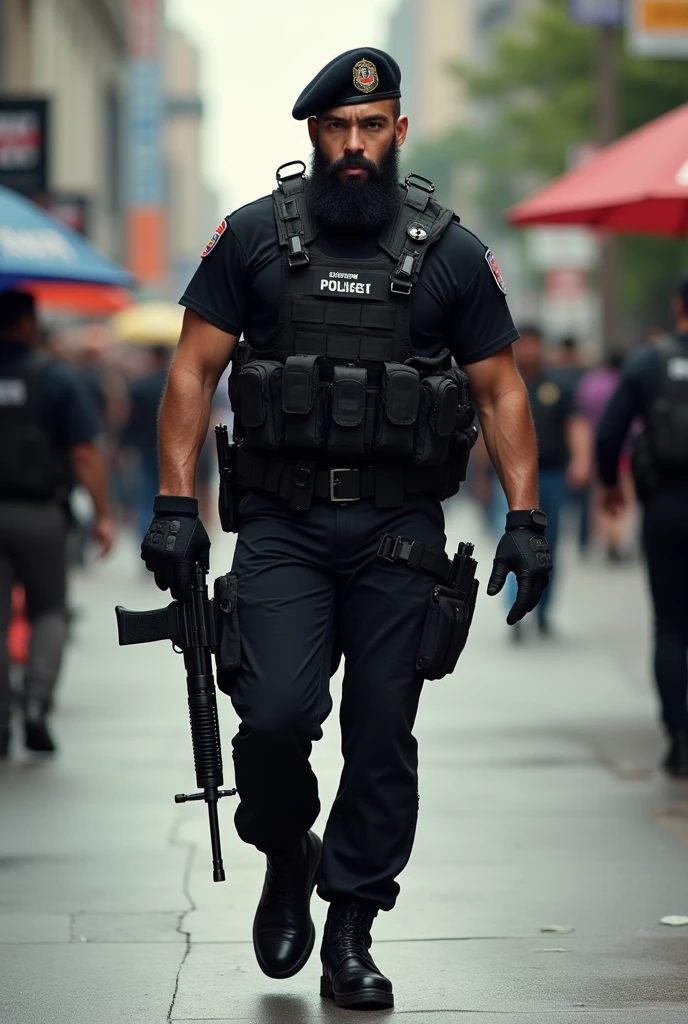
(36, 246)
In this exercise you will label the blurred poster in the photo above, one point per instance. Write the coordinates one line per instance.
(658, 28)
(146, 227)
(24, 144)
(71, 209)
(597, 12)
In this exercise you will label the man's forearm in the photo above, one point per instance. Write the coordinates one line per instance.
(88, 464)
(510, 440)
(182, 428)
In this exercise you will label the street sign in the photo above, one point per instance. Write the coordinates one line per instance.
(597, 12)
(24, 144)
(658, 28)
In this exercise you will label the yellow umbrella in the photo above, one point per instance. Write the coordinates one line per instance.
(149, 323)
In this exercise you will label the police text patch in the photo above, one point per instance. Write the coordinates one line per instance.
(214, 238)
(350, 284)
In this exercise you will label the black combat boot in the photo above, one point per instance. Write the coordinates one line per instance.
(36, 733)
(349, 974)
(676, 761)
(283, 930)
(4, 742)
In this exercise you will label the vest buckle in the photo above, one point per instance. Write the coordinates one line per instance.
(297, 255)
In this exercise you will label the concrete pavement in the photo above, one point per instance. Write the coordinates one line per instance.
(540, 807)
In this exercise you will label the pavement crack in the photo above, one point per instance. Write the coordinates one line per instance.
(173, 840)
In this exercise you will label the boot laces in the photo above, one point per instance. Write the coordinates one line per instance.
(351, 933)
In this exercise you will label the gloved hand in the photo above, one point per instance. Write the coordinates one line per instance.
(176, 538)
(524, 551)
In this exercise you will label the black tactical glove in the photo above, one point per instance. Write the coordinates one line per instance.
(176, 538)
(524, 551)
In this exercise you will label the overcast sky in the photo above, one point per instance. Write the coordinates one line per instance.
(256, 57)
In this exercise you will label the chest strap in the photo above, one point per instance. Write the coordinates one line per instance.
(419, 222)
(294, 226)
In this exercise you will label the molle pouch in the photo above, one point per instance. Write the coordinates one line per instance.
(437, 415)
(302, 402)
(347, 427)
(259, 387)
(399, 409)
(228, 649)
(445, 631)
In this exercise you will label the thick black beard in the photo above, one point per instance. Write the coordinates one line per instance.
(364, 204)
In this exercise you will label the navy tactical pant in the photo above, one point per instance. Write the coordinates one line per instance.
(311, 588)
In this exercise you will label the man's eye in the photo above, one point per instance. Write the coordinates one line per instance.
(374, 125)
(335, 126)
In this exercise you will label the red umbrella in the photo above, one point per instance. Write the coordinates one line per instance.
(638, 184)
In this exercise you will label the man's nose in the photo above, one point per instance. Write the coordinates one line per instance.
(354, 142)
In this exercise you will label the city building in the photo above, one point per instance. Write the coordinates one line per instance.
(73, 53)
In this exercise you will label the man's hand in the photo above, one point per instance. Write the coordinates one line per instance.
(613, 500)
(524, 551)
(103, 531)
(578, 474)
(176, 538)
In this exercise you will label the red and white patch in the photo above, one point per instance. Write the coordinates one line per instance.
(496, 272)
(215, 238)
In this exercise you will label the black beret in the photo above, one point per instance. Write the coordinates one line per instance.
(357, 76)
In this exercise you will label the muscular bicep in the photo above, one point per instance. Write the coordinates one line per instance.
(489, 378)
(203, 349)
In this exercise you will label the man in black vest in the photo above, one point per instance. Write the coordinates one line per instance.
(352, 295)
(654, 387)
(49, 436)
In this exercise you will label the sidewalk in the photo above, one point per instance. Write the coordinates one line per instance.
(540, 806)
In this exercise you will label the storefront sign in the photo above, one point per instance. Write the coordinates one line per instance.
(658, 28)
(24, 145)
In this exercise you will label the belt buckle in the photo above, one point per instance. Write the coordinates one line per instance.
(334, 482)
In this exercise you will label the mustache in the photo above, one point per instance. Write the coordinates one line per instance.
(353, 161)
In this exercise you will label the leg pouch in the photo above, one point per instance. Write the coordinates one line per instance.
(399, 409)
(347, 426)
(228, 649)
(437, 417)
(303, 403)
(445, 631)
(259, 387)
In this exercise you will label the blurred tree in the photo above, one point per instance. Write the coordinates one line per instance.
(534, 105)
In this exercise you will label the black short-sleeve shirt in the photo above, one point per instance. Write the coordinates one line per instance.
(552, 401)
(456, 304)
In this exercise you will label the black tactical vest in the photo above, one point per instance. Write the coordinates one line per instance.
(339, 382)
(30, 466)
(667, 418)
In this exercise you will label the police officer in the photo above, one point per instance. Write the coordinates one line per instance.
(48, 430)
(653, 386)
(564, 441)
(351, 294)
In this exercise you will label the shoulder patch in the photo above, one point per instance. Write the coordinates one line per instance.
(214, 238)
(496, 272)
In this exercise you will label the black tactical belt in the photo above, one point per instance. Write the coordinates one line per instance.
(416, 555)
(300, 482)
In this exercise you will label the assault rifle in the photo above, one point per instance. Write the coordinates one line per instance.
(193, 626)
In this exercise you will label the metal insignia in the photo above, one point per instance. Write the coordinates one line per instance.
(365, 76)
(417, 233)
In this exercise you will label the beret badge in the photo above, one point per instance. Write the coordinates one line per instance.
(365, 76)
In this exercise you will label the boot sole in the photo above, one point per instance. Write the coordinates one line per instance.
(365, 999)
(305, 956)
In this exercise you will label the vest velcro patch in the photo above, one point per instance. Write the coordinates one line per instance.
(349, 284)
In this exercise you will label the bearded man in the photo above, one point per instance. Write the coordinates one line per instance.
(352, 294)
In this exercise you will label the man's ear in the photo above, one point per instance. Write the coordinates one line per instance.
(313, 130)
(400, 130)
